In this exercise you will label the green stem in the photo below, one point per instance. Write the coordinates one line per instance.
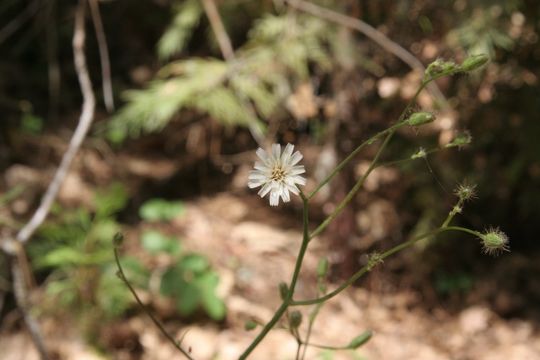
(383, 256)
(288, 299)
(145, 308)
(353, 191)
(372, 166)
(352, 155)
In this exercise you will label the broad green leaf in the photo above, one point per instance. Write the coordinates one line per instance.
(155, 242)
(160, 210)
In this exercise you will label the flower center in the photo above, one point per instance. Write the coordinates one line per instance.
(278, 174)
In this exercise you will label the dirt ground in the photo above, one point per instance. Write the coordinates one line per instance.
(252, 256)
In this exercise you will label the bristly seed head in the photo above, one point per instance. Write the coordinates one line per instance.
(494, 241)
(466, 191)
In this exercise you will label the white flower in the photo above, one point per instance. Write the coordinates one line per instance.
(277, 173)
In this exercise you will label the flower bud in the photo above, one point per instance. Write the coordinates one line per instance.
(360, 340)
(283, 291)
(421, 153)
(460, 140)
(440, 68)
(494, 241)
(420, 118)
(474, 62)
(295, 319)
(118, 239)
(322, 267)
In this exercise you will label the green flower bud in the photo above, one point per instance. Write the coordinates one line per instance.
(420, 118)
(118, 239)
(460, 140)
(360, 340)
(421, 153)
(322, 267)
(250, 325)
(474, 62)
(295, 319)
(440, 68)
(283, 291)
(494, 241)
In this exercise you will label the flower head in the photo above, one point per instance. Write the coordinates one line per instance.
(277, 173)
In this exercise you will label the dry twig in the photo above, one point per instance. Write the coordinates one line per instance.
(15, 248)
(225, 46)
(19, 20)
(103, 55)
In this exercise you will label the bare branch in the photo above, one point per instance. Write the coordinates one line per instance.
(372, 33)
(19, 20)
(85, 120)
(21, 297)
(103, 55)
(223, 39)
(227, 51)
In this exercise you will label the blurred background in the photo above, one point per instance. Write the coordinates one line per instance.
(186, 93)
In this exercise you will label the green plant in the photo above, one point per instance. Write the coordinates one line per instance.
(278, 173)
(189, 279)
(277, 56)
(75, 250)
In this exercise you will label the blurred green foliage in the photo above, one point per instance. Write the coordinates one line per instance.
(75, 250)
(244, 92)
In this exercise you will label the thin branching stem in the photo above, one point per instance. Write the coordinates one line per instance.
(289, 296)
(158, 323)
(383, 256)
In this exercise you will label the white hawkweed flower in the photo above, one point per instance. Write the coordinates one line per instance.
(277, 173)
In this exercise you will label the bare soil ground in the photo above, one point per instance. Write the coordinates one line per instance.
(253, 248)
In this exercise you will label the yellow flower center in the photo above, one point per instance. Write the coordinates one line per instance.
(278, 174)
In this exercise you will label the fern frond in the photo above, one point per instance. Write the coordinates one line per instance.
(175, 38)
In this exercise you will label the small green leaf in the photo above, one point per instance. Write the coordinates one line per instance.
(187, 301)
(154, 242)
(161, 210)
(213, 305)
(194, 263)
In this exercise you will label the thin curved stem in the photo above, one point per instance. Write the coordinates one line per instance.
(288, 298)
(383, 256)
(159, 325)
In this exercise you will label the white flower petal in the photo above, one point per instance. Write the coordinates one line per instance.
(263, 155)
(276, 152)
(265, 189)
(285, 195)
(296, 170)
(274, 198)
(292, 188)
(295, 158)
(285, 157)
(298, 180)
